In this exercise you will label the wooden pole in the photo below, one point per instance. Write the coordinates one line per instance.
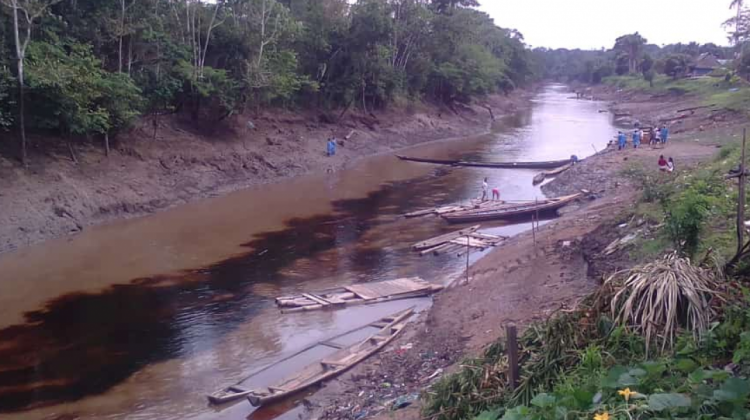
(741, 199)
(468, 249)
(511, 335)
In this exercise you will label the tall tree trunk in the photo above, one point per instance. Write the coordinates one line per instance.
(106, 144)
(122, 34)
(20, 52)
(21, 113)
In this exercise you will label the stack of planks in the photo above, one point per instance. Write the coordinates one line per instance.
(439, 211)
(357, 294)
(457, 241)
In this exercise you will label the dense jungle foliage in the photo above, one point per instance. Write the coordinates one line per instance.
(91, 67)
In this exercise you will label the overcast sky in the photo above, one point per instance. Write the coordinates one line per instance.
(590, 24)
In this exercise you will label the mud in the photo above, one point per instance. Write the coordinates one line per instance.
(184, 163)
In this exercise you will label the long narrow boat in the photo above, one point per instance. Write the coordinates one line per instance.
(335, 364)
(501, 165)
(517, 165)
(357, 294)
(236, 392)
(540, 177)
(427, 160)
(511, 210)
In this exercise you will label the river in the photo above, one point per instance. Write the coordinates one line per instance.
(141, 318)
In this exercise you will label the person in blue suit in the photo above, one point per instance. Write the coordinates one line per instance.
(636, 138)
(621, 140)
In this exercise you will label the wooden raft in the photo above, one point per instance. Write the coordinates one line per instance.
(457, 242)
(439, 211)
(357, 294)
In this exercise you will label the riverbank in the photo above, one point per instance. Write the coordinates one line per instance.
(529, 278)
(147, 173)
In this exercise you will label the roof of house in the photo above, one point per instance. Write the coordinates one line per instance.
(706, 61)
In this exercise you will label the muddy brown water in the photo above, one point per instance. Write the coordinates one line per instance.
(141, 318)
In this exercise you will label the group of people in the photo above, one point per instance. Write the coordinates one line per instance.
(656, 136)
(666, 165)
(485, 190)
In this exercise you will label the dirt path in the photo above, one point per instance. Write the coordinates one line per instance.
(147, 173)
(525, 280)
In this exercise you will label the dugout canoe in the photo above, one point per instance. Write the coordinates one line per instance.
(345, 358)
(550, 164)
(512, 210)
(540, 177)
(357, 294)
(427, 160)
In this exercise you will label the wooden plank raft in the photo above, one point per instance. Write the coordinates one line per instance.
(457, 241)
(357, 294)
(439, 211)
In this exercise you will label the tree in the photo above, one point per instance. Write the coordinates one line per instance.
(676, 65)
(31, 10)
(737, 4)
(632, 46)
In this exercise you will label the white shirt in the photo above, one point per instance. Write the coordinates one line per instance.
(485, 186)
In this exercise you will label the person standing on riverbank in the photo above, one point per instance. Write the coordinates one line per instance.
(664, 134)
(331, 147)
(496, 194)
(622, 140)
(485, 187)
(636, 138)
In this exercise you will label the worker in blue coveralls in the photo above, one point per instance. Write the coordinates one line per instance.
(621, 140)
(636, 138)
(331, 147)
(664, 134)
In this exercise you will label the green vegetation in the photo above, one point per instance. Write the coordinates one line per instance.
(590, 364)
(94, 66)
(630, 55)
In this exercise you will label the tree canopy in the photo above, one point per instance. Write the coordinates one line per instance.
(95, 66)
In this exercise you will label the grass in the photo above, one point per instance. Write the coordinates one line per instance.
(733, 96)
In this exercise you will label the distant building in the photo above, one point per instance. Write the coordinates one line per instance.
(705, 64)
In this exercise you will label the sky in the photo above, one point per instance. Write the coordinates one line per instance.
(593, 24)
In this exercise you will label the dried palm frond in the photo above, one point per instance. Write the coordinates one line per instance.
(658, 298)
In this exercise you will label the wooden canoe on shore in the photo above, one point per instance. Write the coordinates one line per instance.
(236, 392)
(540, 177)
(500, 165)
(357, 294)
(512, 210)
(337, 363)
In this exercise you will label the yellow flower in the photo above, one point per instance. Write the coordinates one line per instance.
(627, 393)
(602, 416)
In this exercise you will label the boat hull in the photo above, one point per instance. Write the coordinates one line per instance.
(551, 164)
(542, 208)
(336, 364)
